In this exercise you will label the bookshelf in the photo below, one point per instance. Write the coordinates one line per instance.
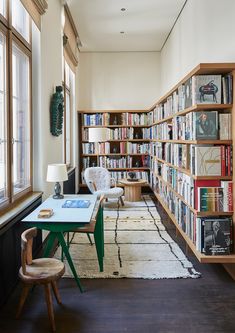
(127, 145)
(162, 168)
(160, 182)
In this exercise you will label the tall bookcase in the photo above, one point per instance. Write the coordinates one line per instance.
(156, 126)
(166, 123)
(127, 145)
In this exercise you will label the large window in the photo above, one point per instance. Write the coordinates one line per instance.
(69, 112)
(3, 122)
(15, 103)
(20, 119)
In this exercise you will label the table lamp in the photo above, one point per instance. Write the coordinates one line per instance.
(57, 173)
(97, 135)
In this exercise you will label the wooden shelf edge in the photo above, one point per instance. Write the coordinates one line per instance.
(202, 258)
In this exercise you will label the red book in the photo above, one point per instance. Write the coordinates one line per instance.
(203, 183)
(223, 161)
(229, 159)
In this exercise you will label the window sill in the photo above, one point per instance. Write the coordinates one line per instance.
(18, 208)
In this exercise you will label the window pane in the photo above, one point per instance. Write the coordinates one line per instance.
(67, 75)
(21, 120)
(3, 134)
(3, 7)
(20, 19)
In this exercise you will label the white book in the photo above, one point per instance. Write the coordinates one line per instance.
(207, 161)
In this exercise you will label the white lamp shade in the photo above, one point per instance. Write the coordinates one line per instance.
(97, 134)
(57, 172)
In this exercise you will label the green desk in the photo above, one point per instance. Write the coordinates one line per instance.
(66, 220)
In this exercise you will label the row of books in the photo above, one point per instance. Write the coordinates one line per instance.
(203, 125)
(124, 162)
(202, 195)
(211, 160)
(201, 160)
(126, 118)
(128, 133)
(133, 119)
(118, 148)
(198, 89)
(117, 175)
(211, 235)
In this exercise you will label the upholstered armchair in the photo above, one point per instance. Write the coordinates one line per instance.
(99, 182)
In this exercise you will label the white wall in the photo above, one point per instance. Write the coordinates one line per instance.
(119, 80)
(203, 33)
(47, 148)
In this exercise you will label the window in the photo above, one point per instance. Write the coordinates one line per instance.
(20, 120)
(15, 103)
(69, 111)
(3, 124)
(3, 9)
(20, 19)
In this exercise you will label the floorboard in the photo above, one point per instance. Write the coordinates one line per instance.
(203, 305)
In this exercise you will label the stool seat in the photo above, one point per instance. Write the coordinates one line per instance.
(43, 270)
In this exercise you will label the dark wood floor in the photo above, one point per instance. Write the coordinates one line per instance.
(201, 305)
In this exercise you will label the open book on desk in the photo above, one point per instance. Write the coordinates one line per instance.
(76, 204)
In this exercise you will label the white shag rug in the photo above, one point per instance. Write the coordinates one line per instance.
(137, 245)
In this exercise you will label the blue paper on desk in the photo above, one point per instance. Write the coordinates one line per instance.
(76, 204)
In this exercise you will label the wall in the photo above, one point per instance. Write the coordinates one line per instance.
(47, 148)
(204, 32)
(119, 80)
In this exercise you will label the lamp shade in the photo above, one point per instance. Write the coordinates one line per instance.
(57, 172)
(97, 134)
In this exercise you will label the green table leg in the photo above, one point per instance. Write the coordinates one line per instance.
(67, 255)
(50, 243)
(99, 239)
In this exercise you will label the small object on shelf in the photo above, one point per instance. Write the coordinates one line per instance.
(114, 150)
(136, 136)
(45, 213)
(137, 164)
(115, 122)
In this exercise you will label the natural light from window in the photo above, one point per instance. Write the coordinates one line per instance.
(20, 19)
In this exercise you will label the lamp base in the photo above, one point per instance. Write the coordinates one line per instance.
(58, 196)
(57, 189)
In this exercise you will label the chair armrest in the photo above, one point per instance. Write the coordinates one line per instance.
(113, 181)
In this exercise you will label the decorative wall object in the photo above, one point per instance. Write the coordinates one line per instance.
(57, 112)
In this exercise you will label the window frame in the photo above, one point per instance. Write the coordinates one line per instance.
(12, 36)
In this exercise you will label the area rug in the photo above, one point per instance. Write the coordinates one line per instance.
(137, 245)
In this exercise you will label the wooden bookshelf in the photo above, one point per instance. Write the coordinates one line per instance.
(227, 260)
(116, 119)
(208, 68)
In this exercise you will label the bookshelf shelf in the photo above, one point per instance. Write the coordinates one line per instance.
(197, 108)
(187, 172)
(117, 126)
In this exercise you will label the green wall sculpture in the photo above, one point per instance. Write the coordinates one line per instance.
(57, 112)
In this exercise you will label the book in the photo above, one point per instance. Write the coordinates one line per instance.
(203, 183)
(217, 236)
(76, 204)
(206, 125)
(206, 89)
(225, 121)
(188, 93)
(210, 199)
(45, 213)
(206, 160)
(228, 195)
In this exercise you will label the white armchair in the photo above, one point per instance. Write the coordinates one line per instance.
(99, 182)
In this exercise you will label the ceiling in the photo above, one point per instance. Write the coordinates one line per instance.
(145, 23)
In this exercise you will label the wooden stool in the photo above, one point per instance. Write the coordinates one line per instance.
(45, 271)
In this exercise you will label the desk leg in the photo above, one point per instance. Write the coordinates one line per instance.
(50, 242)
(67, 255)
(99, 239)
